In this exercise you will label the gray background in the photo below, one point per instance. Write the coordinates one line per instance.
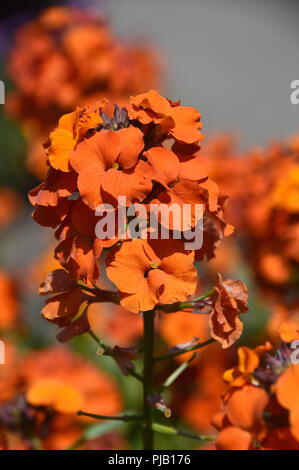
(232, 59)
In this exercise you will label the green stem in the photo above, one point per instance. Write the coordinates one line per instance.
(175, 432)
(177, 306)
(184, 351)
(148, 322)
(115, 418)
(169, 381)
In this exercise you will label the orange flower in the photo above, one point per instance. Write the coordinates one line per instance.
(180, 122)
(121, 156)
(151, 272)
(179, 181)
(107, 163)
(261, 400)
(248, 361)
(64, 139)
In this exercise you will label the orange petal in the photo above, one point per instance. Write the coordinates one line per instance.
(132, 144)
(89, 185)
(57, 395)
(194, 169)
(233, 438)
(245, 407)
(126, 266)
(63, 142)
(187, 124)
(133, 184)
(165, 165)
(287, 387)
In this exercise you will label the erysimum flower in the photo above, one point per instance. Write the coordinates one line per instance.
(64, 138)
(151, 272)
(108, 163)
(97, 155)
(260, 406)
(180, 122)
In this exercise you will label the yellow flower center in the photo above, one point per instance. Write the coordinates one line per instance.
(153, 265)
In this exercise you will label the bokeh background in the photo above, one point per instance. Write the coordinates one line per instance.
(232, 60)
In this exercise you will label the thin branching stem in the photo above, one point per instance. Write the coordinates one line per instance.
(106, 352)
(169, 381)
(184, 351)
(176, 432)
(125, 417)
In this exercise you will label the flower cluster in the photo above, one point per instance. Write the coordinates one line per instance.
(148, 154)
(67, 57)
(260, 405)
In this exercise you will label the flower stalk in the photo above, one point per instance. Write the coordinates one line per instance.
(149, 330)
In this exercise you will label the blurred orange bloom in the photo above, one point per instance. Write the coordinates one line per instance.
(9, 302)
(43, 390)
(10, 206)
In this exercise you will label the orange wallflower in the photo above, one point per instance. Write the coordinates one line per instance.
(96, 155)
(67, 134)
(180, 122)
(151, 272)
(108, 163)
(260, 406)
